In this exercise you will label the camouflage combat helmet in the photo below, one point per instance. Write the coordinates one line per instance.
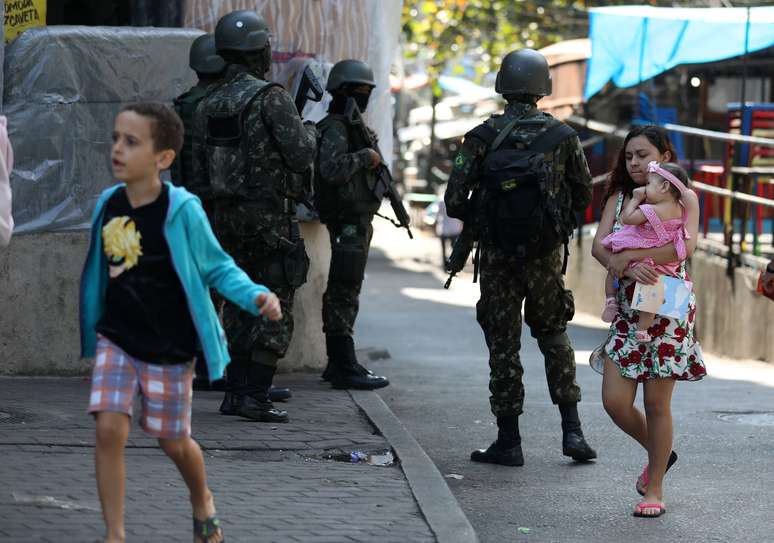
(350, 72)
(524, 72)
(203, 58)
(243, 31)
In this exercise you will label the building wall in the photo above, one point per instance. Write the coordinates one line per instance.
(39, 286)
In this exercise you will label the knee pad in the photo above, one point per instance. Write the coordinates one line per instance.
(556, 340)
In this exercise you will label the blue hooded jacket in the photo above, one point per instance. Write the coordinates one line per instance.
(200, 263)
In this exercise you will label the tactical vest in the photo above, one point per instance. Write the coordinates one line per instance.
(234, 151)
(182, 168)
(353, 199)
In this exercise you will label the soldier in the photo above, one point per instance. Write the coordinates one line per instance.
(251, 150)
(347, 206)
(529, 178)
(204, 60)
(209, 66)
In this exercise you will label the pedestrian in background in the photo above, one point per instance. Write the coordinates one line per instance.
(145, 307)
(530, 178)
(673, 353)
(767, 279)
(447, 229)
(6, 165)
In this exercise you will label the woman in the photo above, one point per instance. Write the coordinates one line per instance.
(674, 354)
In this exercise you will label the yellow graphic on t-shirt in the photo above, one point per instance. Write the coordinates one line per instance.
(122, 244)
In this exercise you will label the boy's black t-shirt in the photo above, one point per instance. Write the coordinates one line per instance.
(146, 311)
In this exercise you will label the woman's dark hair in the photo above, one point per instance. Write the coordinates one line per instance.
(681, 174)
(619, 179)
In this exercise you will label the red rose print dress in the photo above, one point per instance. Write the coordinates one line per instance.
(673, 352)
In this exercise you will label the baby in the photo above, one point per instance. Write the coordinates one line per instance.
(653, 217)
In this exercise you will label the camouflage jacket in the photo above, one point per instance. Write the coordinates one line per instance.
(570, 168)
(272, 145)
(182, 169)
(344, 180)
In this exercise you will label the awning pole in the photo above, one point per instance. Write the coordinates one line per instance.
(740, 150)
(642, 56)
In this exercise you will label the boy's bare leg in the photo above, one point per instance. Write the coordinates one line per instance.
(112, 433)
(188, 458)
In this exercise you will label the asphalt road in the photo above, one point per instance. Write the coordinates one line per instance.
(720, 489)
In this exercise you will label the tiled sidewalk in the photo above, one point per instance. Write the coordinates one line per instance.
(272, 482)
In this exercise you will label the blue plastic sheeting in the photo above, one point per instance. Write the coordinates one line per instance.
(630, 44)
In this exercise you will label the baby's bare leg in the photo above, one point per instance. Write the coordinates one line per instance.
(610, 290)
(646, 320)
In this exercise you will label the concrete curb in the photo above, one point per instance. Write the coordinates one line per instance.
(435, 500)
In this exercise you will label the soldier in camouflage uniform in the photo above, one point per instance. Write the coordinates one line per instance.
(347, 206)
(204, 60)
(252, 151)
(209, 67)
(508, 281)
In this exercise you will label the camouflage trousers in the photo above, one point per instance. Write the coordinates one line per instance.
(349, 255)
(506, 283)
(264, 263)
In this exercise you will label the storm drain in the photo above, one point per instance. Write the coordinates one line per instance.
(754, 418)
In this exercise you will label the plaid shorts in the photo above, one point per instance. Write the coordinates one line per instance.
(165, 390)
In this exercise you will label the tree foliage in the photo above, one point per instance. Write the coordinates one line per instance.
(441, 33)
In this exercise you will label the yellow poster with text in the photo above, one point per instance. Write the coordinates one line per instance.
(23, 14)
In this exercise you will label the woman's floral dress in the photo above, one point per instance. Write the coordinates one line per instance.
(674, 351)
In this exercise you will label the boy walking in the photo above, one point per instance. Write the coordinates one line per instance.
(146, 309)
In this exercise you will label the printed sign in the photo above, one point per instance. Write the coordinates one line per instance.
(23, 14)
(668, 298)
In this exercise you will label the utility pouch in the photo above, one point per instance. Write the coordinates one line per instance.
(347, 265)
(568, 301)
(295, 264)
(348, 255)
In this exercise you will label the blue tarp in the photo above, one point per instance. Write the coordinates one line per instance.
(630, 44)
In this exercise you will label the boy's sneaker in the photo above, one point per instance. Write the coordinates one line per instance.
(610, 310)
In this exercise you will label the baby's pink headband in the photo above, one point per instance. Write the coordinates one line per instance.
(655, 167)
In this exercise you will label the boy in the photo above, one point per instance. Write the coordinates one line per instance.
(146, 309)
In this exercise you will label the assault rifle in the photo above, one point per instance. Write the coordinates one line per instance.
(465, 242)
(384, 185)
(309, 83)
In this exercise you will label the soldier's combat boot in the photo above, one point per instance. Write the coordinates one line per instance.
(256, 404)
(235, 382)
(230, 404)
(573, 443)
(346, 371)
(279, 394)
(506, 449)
(334, 351)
